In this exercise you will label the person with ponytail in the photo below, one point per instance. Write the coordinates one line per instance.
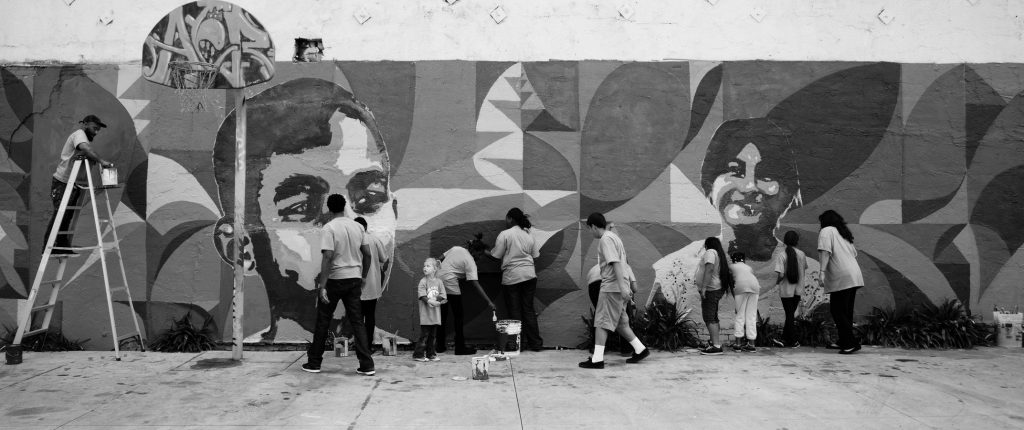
(841, 275)
(716, 280)
(516, 249)
(791, 266)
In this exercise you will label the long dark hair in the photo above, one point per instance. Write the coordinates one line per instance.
(519, 218)
(791, 239)
(831, 218)
(712, 243)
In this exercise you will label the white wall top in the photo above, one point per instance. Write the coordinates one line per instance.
(928, 31)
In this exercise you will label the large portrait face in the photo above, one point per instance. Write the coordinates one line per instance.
(295, 189)
(750, 177)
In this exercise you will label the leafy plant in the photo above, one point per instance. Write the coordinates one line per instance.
(183, 336)
(767, 333)
(663, 326)
(946, 325)
(51, 341)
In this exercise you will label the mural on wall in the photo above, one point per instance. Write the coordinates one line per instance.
(923, 160)
(212, 32)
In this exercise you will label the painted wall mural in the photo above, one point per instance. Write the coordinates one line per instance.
(925, 161)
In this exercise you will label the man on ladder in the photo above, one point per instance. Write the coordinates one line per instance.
(77, 144)
(75, 158)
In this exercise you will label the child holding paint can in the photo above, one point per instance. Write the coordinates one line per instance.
(431, 296)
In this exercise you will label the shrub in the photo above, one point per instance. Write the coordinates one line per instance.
(183, 336)
(51, 341)
(663, 327)
(815, 328)
(946, 325)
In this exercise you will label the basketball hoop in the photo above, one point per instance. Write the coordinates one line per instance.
(190, 80)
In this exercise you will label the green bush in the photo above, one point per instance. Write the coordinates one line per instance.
(661, 326)
(51, 341)
(815, 328)
(947, 325)
(183, 336)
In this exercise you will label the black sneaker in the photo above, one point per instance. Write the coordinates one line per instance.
(736, 347)
(592, 365)
(832, 346)
(310, 368)
(794, 345)
(849, 351)
(366, 372)
(749, 347)
(711, 350)
(639, 356)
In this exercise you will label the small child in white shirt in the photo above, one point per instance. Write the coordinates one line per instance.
(745, 292)
(431, 296)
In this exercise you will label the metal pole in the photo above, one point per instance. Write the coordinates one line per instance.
(237, 297)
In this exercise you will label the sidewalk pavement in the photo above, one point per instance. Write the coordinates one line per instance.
(803, 388)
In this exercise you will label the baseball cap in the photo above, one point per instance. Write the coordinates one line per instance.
(93, 119)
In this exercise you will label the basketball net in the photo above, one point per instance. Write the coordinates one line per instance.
(191, 80)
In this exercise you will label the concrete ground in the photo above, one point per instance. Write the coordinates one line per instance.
(804, 388)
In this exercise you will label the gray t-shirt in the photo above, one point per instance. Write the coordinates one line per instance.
(516, 249)
(710, 256)
(610, 250)
(373, 284)
(430, 288)
(842, 272)
(344, 236)
(458, 264)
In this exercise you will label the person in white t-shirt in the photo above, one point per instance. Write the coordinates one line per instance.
(791, 267)
(78, 144)
(841, 275)
(745, 292)
(516, 249)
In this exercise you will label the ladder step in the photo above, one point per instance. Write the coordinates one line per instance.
(117, 288)
(75, 248)
(75, 207)
(51, 281)
(35, 332)
(43, 307)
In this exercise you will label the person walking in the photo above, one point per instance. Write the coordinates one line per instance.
(516, 249)
(714, 280)
(78, 144)
(791, 267)
(346, 259)
(616, 291)
(841, 275)
(458, 271)
(373, 284)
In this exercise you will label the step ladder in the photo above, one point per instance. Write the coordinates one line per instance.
(104, 227)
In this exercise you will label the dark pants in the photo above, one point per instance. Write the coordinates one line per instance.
(369, 308)
(347, 292)
(519, 301)
(841, 306)
(455, 304)
(56, 195)
(426, 342)
(789, 304)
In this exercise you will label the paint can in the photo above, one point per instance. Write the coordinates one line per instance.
(390, 345)
(108, 176)
(13, 354)
(341, 347)
(480, 368)
(1009, 329)
(509, 341)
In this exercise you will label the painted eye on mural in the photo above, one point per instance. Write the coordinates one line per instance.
(736, 168)
(300, 198)
(368, 191)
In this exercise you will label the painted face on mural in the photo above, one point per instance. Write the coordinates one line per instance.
(751, 180)
(296, 208)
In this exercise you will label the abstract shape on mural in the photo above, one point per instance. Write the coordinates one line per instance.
(634, 128)
(212, 32)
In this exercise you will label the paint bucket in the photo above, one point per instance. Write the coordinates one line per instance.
(108, 176)
(480, 368)
(341, 347)
(390, 345)
(508, 332)
(1008, 329)
(13, 354)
